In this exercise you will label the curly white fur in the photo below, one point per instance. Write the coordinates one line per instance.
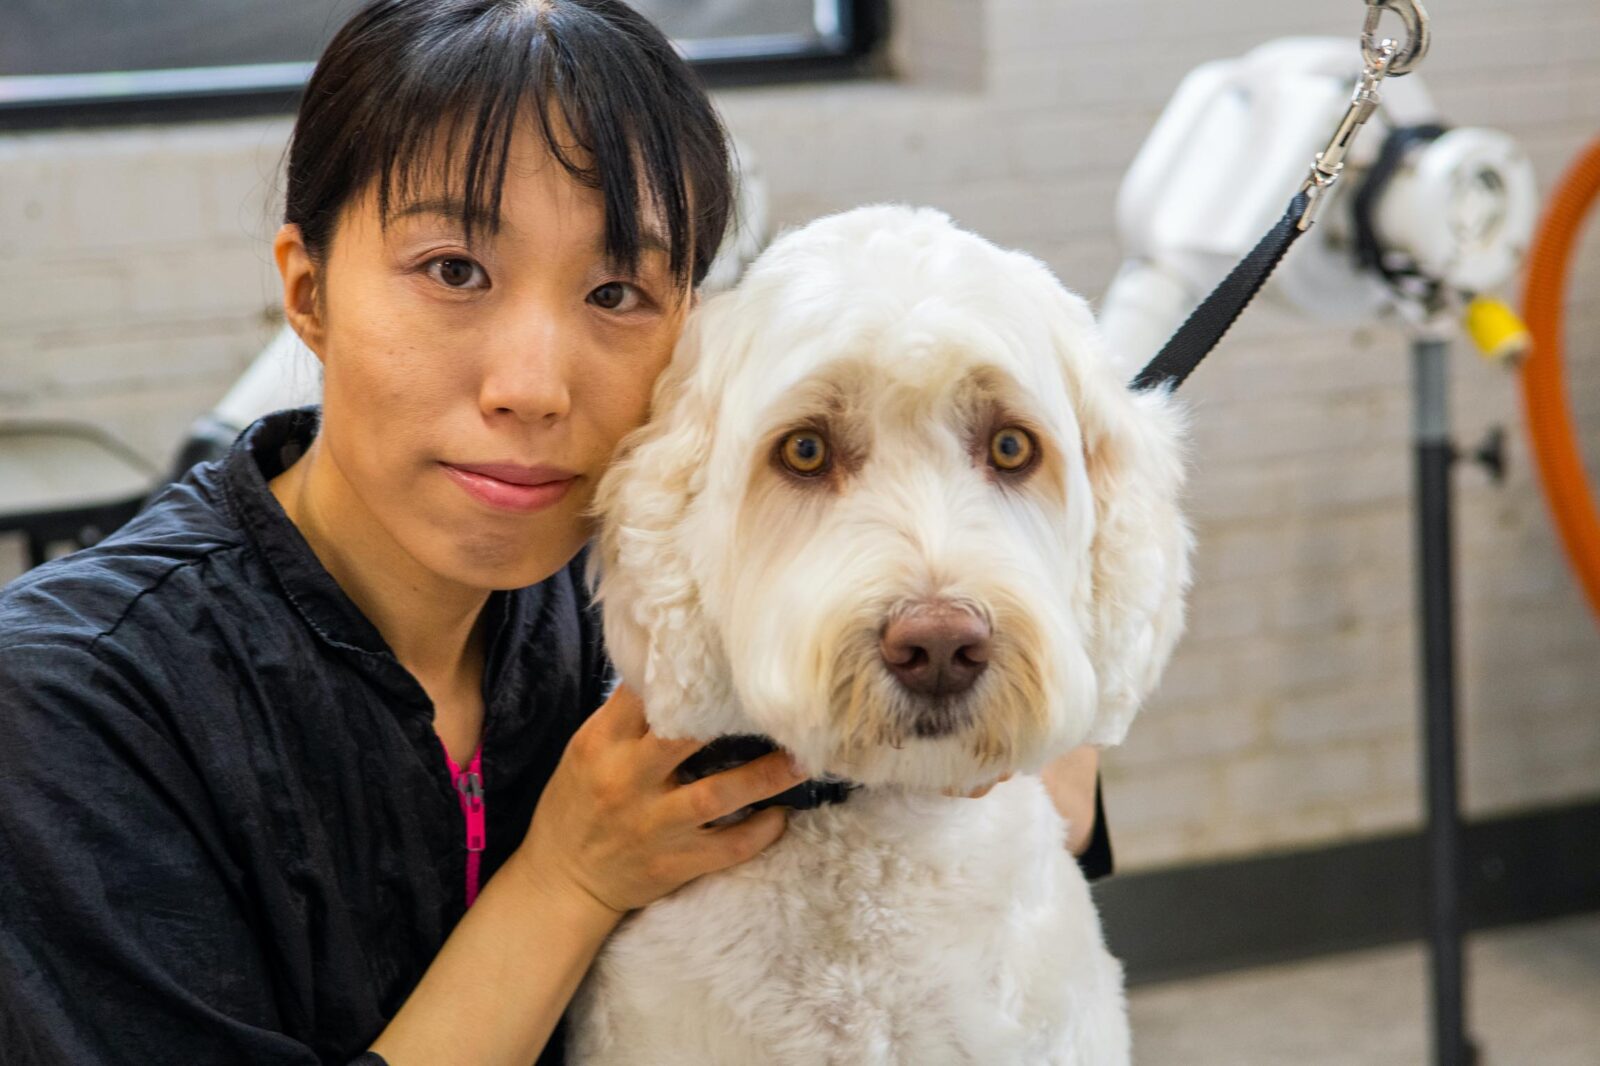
(900, 926)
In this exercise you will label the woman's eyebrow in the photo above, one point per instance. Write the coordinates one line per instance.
(452, 209)
(650, 240)
(447, 207)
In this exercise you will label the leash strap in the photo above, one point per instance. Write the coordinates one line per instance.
(1207, 324)
(1204, 328)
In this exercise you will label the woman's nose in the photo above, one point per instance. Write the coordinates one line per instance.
(525, 372)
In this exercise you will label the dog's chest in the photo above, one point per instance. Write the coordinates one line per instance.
(898, 929)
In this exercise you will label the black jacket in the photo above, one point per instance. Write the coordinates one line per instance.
(227, 830)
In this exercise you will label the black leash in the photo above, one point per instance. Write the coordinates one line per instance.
(1205, 328)
(1207, 324)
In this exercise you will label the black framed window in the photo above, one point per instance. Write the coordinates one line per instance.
(71, 62)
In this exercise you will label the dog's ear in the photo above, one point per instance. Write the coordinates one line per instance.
(656, 631)
(1136, 454)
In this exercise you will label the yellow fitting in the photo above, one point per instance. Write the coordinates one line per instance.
(1496, 329)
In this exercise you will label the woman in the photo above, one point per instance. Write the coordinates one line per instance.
(260, 751)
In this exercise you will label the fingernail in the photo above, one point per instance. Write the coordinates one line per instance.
(794, 766)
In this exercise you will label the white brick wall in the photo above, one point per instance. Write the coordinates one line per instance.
(136, 281)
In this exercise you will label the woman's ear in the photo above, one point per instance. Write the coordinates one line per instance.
(656, 629)
(302, 286)
(1136, 452)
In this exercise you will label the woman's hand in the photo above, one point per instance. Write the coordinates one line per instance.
(977, 793)
(614, 824)
(1071, 780)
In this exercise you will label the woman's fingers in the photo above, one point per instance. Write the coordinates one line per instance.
(656, 757)
(752, 836)
(611, 822)
(733, 789)
(662, 756)
(977, 793)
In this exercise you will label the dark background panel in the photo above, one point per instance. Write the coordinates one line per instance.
(88, 36)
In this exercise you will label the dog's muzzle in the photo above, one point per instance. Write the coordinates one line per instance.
(936, 651)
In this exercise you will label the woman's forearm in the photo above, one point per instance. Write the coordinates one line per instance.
(1070, 781)
(503, 978)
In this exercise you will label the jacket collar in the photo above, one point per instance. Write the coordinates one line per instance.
(267, 448)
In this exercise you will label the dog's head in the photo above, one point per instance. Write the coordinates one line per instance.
(895, 508)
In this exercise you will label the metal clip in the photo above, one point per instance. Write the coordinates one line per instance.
(1418, 35)
(1385, 58)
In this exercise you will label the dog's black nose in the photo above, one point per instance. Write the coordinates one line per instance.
(936, 649)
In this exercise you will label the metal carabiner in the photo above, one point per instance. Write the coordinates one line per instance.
(1385, 58)
(1408, 53)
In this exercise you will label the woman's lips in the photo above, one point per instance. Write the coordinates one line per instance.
(508, 487)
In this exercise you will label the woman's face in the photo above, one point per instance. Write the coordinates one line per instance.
(474, 395)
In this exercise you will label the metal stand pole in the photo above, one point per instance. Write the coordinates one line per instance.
(1435, 456)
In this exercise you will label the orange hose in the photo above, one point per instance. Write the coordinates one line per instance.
(1544, 393)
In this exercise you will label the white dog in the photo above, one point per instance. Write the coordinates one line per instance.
(895, 510)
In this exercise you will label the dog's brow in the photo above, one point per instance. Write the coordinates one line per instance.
(989, 386)
(826, 394)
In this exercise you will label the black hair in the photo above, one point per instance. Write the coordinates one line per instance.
(403, 77)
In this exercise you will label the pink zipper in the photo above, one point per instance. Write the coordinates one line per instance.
(469, 788)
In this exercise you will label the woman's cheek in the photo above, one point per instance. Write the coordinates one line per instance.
(654, 358)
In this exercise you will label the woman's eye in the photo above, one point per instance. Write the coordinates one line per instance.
(1011, 449)
(805, 453)
(616, 296)
(455, 271)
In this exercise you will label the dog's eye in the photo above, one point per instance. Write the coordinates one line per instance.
(805, 452)
(1011, 449)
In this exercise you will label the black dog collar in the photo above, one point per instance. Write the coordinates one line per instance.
(726, 752)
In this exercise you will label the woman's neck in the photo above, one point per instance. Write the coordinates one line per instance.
(432, 624)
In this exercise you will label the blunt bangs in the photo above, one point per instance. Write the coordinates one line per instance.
(405, 85)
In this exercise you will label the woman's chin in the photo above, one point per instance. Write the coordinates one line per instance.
(498, 561)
